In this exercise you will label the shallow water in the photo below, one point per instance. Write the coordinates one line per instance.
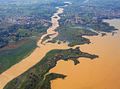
(101, 73)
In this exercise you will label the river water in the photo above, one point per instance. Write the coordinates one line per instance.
(101, 73)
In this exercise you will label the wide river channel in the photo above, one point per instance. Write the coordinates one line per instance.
(101, 73)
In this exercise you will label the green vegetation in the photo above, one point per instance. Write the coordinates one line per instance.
(74, 35)
(85, 19)
(38, 77)
(91, 14)
(9, 57)
(18, 21)
(49, 78)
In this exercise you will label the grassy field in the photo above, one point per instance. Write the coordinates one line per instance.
(12, 56)
(74, 35)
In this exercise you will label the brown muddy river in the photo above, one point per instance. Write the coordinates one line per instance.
(101, 73)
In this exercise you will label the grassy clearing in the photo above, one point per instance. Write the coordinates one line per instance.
(13, 56)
